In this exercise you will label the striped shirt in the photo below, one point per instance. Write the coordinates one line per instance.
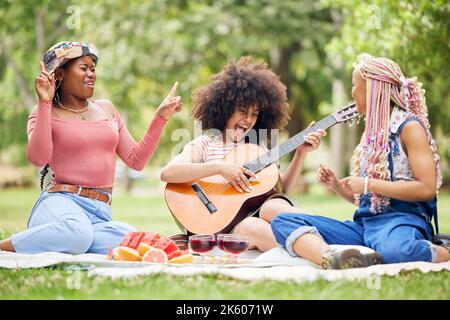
(212, 148)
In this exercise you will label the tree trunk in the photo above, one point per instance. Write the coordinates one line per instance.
(26, 97)
(280, 59)
(337, 141)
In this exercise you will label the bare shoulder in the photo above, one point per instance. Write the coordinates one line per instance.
(414, 132)
(107, 106)
(414, 137)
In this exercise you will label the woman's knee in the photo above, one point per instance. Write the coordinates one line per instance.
(287, 221)
(272, 208)
(408, 251)
(251, 226)
(76, 236)
(284, 224)
(109, 234)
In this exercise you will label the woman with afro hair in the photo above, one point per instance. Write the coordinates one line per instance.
(243, 98)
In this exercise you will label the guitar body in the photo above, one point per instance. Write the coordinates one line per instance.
(232, 206)
(212, 205)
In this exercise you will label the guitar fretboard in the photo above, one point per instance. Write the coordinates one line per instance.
(288, 146)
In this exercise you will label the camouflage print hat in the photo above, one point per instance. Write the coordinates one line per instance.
(64, 51)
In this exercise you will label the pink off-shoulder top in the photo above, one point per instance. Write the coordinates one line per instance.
(83, 153)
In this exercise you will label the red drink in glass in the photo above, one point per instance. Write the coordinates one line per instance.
(202, 245)
(235, 246)
(220, 244)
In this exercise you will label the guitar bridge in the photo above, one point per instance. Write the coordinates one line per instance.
(203, 198)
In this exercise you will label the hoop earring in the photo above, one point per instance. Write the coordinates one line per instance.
(56, 91)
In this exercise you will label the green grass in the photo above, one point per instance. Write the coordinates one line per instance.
(53, 284)
(150, 213)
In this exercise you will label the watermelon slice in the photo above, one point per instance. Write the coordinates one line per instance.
(150, 238)
(166, 244)
(135, 240)
(126, 240)
(110, 255)
(175, 254)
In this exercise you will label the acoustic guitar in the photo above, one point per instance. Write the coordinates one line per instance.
(212, 205)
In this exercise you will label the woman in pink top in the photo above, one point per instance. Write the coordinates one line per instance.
(79, 139)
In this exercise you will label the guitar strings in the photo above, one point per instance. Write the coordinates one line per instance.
(284, 148)
(281, 149)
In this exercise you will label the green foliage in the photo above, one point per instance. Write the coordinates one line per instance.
(146, 46)
(413, 33)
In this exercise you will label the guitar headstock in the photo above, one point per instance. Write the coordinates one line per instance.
(346, 113)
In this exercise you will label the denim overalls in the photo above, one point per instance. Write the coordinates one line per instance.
(401, 233)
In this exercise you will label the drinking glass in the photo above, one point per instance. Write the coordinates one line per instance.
(220, 246)
(202, 244)
(235, 245)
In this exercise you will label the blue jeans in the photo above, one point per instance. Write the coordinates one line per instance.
(68, 223)
(397, 236)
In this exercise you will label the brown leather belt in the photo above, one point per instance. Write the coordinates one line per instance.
(100, 194)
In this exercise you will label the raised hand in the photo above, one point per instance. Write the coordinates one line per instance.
(326, 177)
(171, 104)
(44, 85)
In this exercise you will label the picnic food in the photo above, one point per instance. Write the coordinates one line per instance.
(185, 258)
(126, 254)
(139, 244)
(155, 255)
(143, 248)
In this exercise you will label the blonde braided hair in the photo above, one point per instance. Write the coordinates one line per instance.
(385, 82)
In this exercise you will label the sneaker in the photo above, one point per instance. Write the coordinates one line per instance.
(349, 258)
(442, 240)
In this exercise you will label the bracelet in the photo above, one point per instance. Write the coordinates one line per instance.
(366, 184)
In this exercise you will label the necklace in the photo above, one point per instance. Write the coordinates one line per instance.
(78, 112)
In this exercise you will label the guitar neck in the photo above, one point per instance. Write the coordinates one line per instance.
(288, 146)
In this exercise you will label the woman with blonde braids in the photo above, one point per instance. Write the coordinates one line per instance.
(395, 174)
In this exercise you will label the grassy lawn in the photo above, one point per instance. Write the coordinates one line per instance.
(150, 213)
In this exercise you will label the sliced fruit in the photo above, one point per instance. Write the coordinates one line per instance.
(166, 244)
(110, 255)
(150, 238)
(175, 254)
(126, 240)
(155, 256)
(143, 248)
(185, 258)
(126, 254)
(136, 239)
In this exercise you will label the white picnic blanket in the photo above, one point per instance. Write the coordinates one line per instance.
(275, 264)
